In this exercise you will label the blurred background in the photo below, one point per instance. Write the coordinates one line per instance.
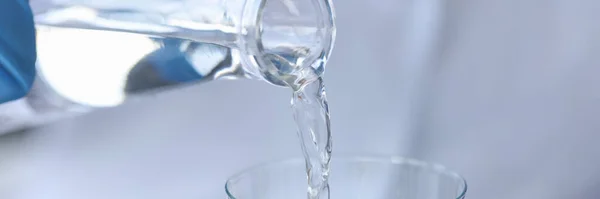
(504, 92)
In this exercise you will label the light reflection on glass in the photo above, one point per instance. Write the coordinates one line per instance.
(89, 67)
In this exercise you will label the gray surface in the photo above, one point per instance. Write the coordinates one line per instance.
(505, 92)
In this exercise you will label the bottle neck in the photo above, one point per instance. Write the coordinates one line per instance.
(280, 39)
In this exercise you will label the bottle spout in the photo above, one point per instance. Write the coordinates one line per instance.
(287, 40)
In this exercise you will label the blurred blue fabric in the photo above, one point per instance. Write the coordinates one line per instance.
(17, 49)
(171, 64)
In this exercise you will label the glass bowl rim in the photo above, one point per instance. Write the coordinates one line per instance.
(387, 159)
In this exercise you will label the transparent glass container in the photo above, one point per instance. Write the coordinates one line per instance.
(352, 177)
(99, 53)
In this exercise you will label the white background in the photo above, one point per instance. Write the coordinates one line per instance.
(504, 92)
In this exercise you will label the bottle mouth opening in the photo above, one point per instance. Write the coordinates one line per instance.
(286, 41)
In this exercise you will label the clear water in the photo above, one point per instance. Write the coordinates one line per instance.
(91, 57)
(311, 112)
